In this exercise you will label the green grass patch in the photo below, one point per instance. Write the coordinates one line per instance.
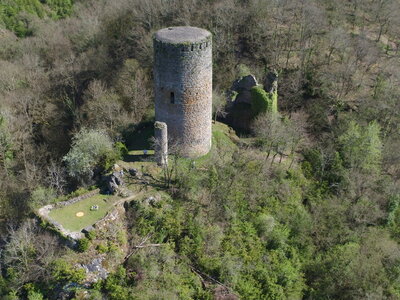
(140, 152)
(223, 138)
(222, 141)
(66, 215)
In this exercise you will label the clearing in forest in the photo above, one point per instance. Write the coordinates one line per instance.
(76, 216)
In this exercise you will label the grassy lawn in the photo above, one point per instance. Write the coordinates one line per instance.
(221, 142)
(140, 152)
(66, 215)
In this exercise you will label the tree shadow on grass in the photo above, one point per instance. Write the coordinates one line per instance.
(136, 158)
(139, 136)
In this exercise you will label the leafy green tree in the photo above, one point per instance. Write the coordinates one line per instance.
(83, 244)
(6, 151)
(91, 150)
(358, 270)
(62, 271)
(361, 147)
(14, 14)
(33, 295)
(41, 196)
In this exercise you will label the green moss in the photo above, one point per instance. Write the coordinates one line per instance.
(234, 95)
(262, 101)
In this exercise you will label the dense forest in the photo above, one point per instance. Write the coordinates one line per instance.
(305, 205)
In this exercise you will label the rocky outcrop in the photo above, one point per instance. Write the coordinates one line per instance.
(271, 82)
(115, 181)
(240, 90)
(95, 270)
(135, 173)
(239, 113)
(239, 102)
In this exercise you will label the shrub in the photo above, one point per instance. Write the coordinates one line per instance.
(62, 271)
(91, 235)
(91, 149)
(122, 149)
(102, 248)
(41, 196)
(115, 285)
(11, 296)
(243, 70)
(33, 295)
(83, 244)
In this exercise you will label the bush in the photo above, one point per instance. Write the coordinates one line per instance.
(11, 296)
(83, 244)
(32, 295)
(91, 235)
(122, 149)
(243, 70)
(91, 149)
(41, 196)
(115, 285)
(62, 271)
(102, 248)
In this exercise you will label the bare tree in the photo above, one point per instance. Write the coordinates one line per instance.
(279, 136)
(56, 176)
(28, 253)
(171, 168)
(218, 105)
(268, 128)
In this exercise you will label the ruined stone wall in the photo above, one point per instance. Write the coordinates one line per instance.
(183, 88)
(161, 147)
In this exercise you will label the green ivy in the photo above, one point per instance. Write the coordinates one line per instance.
(262, 101)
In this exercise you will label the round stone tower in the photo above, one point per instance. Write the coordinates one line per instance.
(183, 87)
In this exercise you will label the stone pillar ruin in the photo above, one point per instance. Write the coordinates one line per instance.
(161, 144)
(183, 87)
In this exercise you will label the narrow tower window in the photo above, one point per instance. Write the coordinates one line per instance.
(172, 98)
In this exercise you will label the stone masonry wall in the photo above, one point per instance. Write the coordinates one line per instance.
(161, 136)
(183, 91)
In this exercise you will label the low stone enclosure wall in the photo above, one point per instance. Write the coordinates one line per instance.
(73, 236)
